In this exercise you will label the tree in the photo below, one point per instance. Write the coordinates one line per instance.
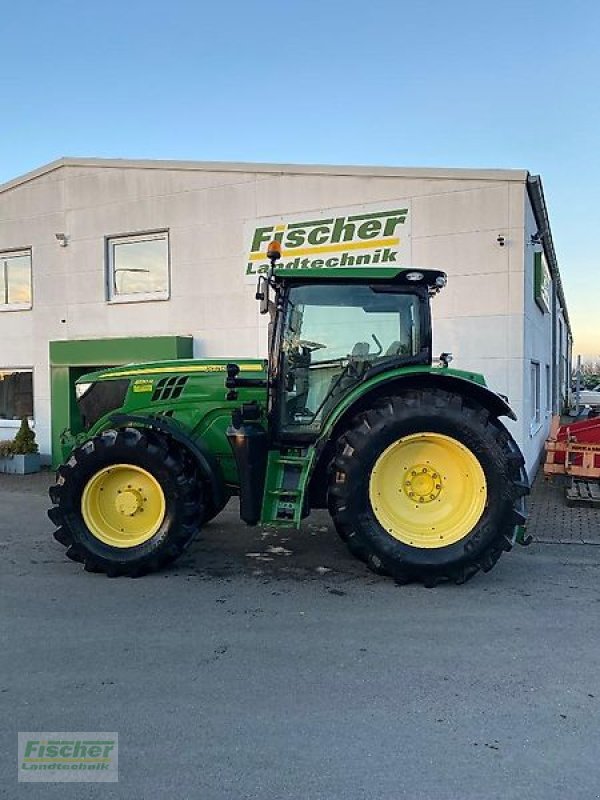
(24, 442)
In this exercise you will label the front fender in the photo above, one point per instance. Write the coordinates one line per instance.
(207, 464)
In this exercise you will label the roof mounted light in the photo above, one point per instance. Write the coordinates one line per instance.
(413, 277)
(441, 281)
(274, 251)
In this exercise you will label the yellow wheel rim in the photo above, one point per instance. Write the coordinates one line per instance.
(123, 505)
(428, 490)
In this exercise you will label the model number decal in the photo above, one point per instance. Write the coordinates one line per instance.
(143, 386)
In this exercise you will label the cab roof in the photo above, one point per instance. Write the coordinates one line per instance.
(433, 278)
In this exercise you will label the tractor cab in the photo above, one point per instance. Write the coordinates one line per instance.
(333, 328)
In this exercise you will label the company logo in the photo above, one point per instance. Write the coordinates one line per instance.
(68, 757)
(542, 282)
(343, 239)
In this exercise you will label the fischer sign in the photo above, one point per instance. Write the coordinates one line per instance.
(357, 237)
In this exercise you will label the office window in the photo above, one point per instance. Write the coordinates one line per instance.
(15, 280)
(138, 267)
(536, 415)
(16, 394)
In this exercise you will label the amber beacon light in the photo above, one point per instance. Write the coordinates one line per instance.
(274, 251)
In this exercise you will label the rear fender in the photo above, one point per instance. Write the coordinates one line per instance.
(396, 382)
(364, 395)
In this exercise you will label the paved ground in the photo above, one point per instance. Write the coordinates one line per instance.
(274, 666)
(552, 521)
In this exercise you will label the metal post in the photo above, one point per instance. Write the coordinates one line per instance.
(577, 385)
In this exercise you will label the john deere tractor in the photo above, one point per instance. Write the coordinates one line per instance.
(422, 479)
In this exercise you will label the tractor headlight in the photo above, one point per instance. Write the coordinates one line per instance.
(414, 277)
(81, 389)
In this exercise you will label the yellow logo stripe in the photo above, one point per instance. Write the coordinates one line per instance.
(341, 247)
(179, 370)
(75, 759)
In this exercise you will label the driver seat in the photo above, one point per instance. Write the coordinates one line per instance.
(357, 365)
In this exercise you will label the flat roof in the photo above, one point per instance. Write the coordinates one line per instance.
(433, 173)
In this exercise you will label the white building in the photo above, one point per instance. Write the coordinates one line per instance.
(99, 250)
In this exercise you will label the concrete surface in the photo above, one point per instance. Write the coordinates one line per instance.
(301, 676)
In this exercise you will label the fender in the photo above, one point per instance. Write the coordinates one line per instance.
(468, 384)
(207, 463)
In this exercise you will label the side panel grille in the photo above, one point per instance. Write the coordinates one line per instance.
(169, 388)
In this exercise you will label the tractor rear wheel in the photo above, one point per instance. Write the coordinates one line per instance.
(427, 486)
(126, 503)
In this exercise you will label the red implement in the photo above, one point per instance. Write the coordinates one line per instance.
(574, 448)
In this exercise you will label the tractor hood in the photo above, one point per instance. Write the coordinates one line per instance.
(159, 387)
(151, 369)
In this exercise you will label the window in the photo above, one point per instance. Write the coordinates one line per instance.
(333, 334)
(536, 414)
(548, 388)
(15, 280)
(138, 267)
(16, 395)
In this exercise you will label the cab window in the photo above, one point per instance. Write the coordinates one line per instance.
(332, 335)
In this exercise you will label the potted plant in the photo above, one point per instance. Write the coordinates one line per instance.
(21, 456)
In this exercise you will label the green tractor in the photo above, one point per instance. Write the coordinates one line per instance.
(422, 479)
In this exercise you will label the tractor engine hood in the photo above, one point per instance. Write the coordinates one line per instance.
(154, 383)
(152, 370)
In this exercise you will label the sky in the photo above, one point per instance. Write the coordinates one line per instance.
(421, 83)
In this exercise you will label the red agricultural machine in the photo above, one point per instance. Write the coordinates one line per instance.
(573, 449)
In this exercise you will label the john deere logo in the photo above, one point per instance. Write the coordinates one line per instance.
(340, 240)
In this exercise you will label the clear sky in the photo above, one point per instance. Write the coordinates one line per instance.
(422, 83)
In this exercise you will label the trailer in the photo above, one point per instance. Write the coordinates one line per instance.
(573, 449)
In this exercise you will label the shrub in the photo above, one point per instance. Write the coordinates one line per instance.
(6, 449)
(24, 442)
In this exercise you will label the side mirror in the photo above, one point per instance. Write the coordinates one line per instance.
(262, 294)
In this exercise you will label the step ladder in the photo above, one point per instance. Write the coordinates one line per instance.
(285, 485)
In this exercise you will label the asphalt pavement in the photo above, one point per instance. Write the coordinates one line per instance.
(271, 665)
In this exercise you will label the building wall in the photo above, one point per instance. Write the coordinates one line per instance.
(484, 315)
(538, 350)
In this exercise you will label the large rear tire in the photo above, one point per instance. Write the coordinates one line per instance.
(127, 502)
(427, 486)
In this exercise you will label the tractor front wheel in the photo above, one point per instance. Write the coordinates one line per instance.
(427, 486)
(126, 503)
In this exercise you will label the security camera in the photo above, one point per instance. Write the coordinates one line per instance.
(61, 238)
(537, 237)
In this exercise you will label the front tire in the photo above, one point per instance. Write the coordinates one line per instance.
(126, 503)
(212, 510)
(427, 486)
